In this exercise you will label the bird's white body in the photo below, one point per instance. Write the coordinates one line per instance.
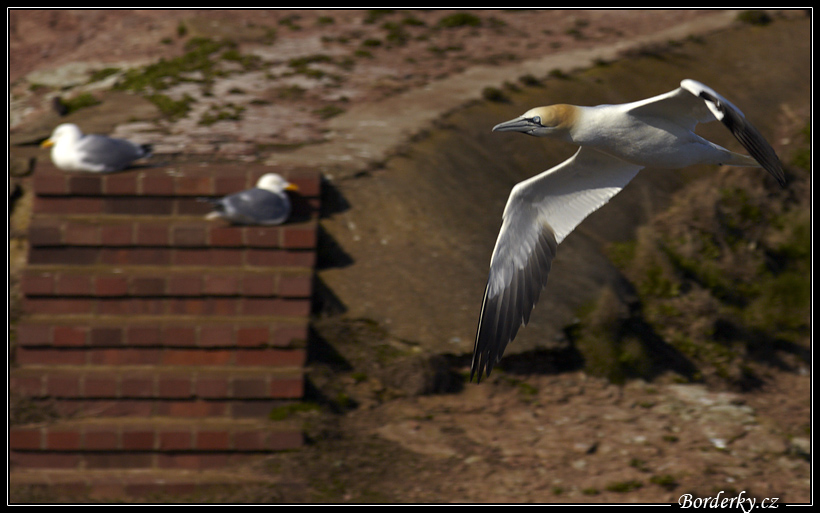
(616, 141)
(71, 150)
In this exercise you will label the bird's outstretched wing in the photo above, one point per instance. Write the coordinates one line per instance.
(694, 103)
(540, 213)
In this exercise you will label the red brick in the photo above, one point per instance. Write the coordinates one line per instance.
(23, 438)
(51, 460)
(220, 284)
(110, 285)
(180, 336)
(137, 386)
(190, 235)
(97, 438)
(287, 336)
(158, 184)
(192, 409)
(211, 387)
(116, 235)
(216, 336)
(295, 286)
(105, 336)
(194, 186)
(213, 440)
(271, 357)
(152, 234)
(74, 285)
(34, 284)
(196, 357)
(185, 285)
(137, 205)
(58, 440)
(143, 286)
(42, 235)
(124, 357)
(70, 336)
(26, 356)
(218, 256)
(226, 236)
(224, 185)
(84, 185)
(26, 385)
(250, 388)
(81, 234)
(137, 439)
(174, 387)
(99, 386)
(50, 183)
(262, 236)
(175, 440)
(120, 184)
(252, 336)
(250, 440)
(258, 284)
(34, 335)
(275, 306)
(298, 237)
(292, 388)
(58, 306)
(63, 385)
(143, 336)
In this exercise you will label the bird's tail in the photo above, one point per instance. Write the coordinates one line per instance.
(147, 150)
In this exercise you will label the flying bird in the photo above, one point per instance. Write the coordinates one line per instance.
(615, 141)
(73, 151)
(265, 204)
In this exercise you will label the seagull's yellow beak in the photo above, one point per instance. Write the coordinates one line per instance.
(292, 187)
(48, 143)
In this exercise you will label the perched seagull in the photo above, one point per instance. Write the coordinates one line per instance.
(265, 204)
(615, 141)
(73, 151)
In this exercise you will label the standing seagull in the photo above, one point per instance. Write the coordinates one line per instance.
(615, 141)
(265, 204)
(73, 151)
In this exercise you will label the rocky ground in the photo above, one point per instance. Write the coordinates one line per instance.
(534, 432)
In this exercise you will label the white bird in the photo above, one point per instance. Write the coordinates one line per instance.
(73, 151)
(615, 141)
(265, 204)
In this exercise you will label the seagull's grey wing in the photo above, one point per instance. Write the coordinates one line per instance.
(540, 213)
(749, 136)
(255, 206)
(109, 154)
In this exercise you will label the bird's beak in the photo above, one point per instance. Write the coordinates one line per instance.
(520, 124)
(292, 187)
(48, 143)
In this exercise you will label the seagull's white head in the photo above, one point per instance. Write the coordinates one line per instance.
(550, 121)
(275, 183)
(64, 132)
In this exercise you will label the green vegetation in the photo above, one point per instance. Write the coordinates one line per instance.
(624, 486)
(80, 102)
(722, 278)
(461, 19)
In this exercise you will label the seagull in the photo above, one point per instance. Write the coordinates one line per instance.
(265, 204)
(615, 141)
(73, 151)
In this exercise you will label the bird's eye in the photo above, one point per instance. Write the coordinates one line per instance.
(536, 120)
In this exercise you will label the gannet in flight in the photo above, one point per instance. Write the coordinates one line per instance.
(73, 151)
(265, 204)
(615, 141)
